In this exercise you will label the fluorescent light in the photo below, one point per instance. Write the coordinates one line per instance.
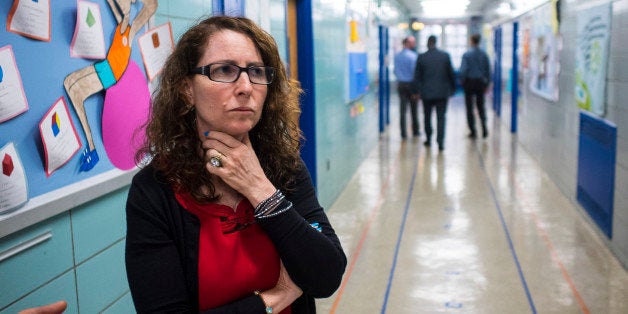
(444, 8)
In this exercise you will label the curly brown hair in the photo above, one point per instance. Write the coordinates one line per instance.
(171, 132)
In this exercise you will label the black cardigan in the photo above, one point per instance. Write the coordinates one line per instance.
(162, 249)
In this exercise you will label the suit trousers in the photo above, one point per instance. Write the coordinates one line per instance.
(404, 89)
(441, 110)
(474, 90)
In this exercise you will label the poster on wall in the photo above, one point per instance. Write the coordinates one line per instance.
(89, 39)
(593, 36)
(58, 136)
(12, 97)
(30, 18)
(156, 45)
(13, 188)
(544, 48)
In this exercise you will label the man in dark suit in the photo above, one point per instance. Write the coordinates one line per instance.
(435, 82)
(475, 75)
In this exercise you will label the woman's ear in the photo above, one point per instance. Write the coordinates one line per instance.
(187, 91)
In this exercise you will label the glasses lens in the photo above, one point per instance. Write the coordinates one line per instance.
(261, 75)
(258, 75)
(228, 73)
(224, 72)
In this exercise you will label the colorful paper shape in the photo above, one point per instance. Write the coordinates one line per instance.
(90, 20)
(7, 165)
(125, 111)
(155, 37)
(55, 124)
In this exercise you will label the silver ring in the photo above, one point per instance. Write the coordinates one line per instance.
(215, 161)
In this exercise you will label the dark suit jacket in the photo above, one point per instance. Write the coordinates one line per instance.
(434, 76)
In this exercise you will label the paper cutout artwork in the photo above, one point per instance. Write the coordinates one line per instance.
(30, 18)
(59, 137)
(55, 124)
(126, 108)
(156, 45)
(7, 165)
(13, 188)
(102, 75)
(89, 40)
(12, 97)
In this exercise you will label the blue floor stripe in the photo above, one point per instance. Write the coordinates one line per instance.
(508, 237)
(403, 224)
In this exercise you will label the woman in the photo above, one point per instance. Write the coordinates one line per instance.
(224, 218)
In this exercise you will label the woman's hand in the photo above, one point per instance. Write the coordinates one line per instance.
(283, 294)
(53, 308)
(239, 166)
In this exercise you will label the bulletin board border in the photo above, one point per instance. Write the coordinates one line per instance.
(55, 202)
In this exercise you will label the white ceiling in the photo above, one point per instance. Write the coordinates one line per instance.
(485, 8)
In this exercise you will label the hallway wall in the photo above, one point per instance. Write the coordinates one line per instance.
(549, 130)
(346, 130)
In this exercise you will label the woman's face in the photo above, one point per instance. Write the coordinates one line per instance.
(233, 108)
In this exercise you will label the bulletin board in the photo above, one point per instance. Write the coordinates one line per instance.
(43, 66)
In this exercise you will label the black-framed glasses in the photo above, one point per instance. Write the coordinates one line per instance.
(229, 73)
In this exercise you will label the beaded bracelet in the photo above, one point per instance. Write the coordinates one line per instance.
(270, 204)
(285, 208)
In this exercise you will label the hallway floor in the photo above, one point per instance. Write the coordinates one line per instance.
(477, 228)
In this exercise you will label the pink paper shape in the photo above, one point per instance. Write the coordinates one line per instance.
(126, 108)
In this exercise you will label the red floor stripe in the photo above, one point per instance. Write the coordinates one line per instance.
(365, 232)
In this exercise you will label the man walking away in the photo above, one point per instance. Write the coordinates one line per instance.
(435, 82)
(405, 61)
(475, 75)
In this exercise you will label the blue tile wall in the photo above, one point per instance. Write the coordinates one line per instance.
(97, 224)
(62, 288)
(102, 280)
(343, 140)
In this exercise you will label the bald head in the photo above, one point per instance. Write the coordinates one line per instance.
(409, 42)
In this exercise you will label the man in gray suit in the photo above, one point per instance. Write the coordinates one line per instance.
(435, 82)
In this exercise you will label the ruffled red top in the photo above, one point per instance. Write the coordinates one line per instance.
(236, 257)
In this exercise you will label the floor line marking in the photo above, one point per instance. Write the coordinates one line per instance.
(550, 247)
(400, 236)
(513, 252)
(365, 232)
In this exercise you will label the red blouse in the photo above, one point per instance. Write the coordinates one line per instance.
(236, 257)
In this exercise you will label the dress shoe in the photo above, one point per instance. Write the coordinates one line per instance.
(427, 143)
(485, 134)
(472, 135)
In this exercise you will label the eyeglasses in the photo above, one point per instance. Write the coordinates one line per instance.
(229, 73)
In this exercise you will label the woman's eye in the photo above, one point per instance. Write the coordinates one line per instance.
(257, 71)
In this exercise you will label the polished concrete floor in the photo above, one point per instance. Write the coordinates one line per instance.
(477, 228)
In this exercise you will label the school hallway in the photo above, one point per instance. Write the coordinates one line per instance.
(476, 228)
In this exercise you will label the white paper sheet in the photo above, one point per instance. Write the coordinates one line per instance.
(12, 96)
(89, 40)
(59, 136)
(30, 18)
(156, 45)
(13, 189)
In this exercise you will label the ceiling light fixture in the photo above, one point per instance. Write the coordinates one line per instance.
(444, 8)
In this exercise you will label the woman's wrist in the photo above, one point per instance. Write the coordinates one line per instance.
(262, 193)
(276, 300)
